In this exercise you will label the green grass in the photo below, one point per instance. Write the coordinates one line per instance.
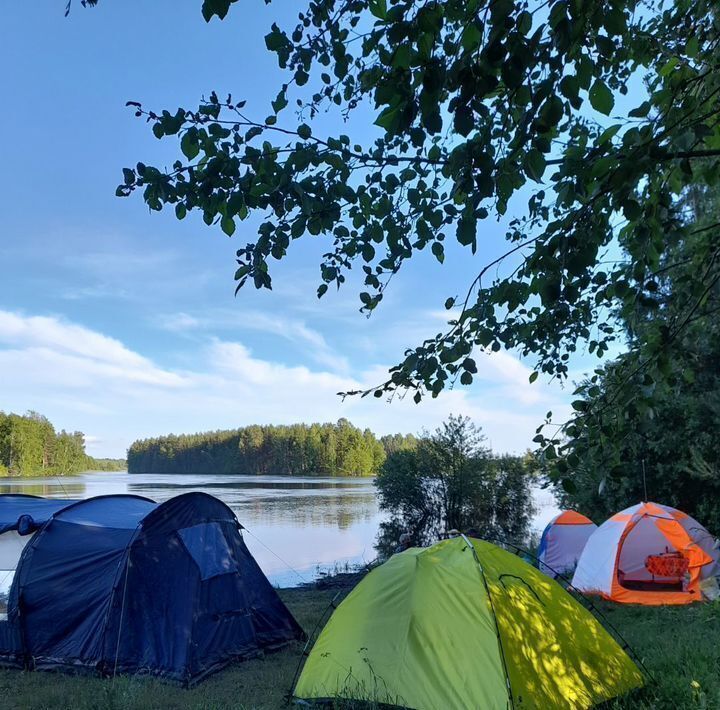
(680, 646)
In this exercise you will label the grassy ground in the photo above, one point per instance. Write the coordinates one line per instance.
(679, 646)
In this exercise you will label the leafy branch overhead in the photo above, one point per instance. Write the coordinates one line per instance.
(578, 124)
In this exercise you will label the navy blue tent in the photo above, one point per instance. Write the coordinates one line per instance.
(120, 584)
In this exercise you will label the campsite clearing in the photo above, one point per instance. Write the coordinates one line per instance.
(678, 645)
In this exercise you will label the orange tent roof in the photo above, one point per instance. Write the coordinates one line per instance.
(570, 517)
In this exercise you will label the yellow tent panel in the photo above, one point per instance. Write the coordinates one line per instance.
(464, 624)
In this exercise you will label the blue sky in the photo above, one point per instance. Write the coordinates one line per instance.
(123, 324)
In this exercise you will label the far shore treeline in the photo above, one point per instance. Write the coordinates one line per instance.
(339, 449)
(30, 446)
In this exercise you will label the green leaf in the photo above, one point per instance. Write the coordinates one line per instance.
(552, 112)
(641, 111)
(464, 120)
(402, 57)
(669, 66)
(524, 22)
(467, 231)
(607, 134)
(280, 101)
(601, 98)
(276, 39)
(304, 131)
(471, 37)
(533, 377)
(189, 144)
(378, 8)
(388, 118)
(535, 164)
(615, 22)
(568, 486)
(215, 7)
(228, 226)
(632, 210)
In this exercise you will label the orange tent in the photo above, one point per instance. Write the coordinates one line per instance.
(647, 554)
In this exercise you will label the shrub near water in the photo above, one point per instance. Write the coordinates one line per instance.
(451, 479)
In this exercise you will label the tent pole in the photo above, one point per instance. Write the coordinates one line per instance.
(492, 611)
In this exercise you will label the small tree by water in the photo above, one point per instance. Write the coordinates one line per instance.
(452, 480)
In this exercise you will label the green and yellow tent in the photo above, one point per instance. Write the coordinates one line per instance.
(465, 624)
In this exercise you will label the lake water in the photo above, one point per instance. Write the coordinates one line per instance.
(296, 527)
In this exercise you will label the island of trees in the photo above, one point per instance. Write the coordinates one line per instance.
(30, 446)
(339, 449)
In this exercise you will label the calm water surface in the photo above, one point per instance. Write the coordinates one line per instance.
(296, 527)
(312, 523)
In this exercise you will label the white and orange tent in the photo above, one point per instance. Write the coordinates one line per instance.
(648, 554)
(563, 541)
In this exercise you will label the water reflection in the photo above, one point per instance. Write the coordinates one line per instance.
(45, 490)
(295, 527)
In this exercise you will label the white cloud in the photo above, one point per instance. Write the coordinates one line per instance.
(179, 322)
(312, 342)
(514, 376)
(85, 380)
(84, 354)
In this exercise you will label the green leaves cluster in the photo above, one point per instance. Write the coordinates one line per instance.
(648, 418)
(483, 110)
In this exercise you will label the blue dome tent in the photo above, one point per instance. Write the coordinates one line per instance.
(120, 584)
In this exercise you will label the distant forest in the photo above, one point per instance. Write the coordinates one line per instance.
(30, 446)
(339, 449)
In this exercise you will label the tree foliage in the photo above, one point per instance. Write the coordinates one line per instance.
(450, 480)
(632, 428)
(30, 446)
(339, 449)
(587, 118)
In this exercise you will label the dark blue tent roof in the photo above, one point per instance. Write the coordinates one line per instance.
(28, 513)
(121, 512)
(120, 584)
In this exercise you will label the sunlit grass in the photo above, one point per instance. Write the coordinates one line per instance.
(680, 646)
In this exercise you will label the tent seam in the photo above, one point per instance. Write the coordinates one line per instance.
(508, 683)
